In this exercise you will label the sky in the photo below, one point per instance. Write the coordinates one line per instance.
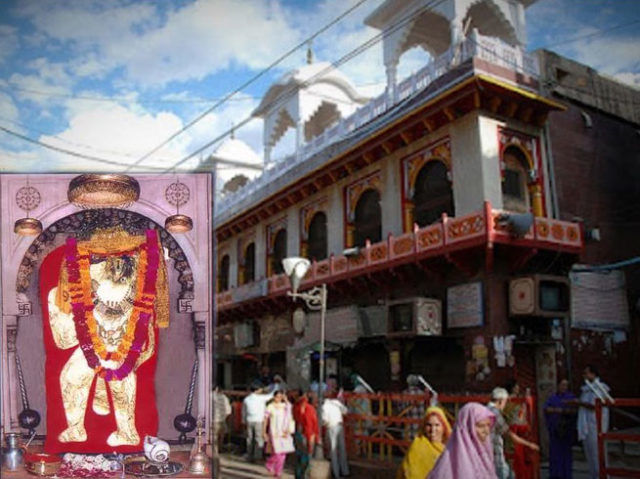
(113, 80)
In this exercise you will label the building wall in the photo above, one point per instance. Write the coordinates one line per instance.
(598, 180)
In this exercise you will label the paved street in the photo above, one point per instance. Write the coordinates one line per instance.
(234, 467)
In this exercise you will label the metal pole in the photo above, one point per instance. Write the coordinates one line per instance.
(214, 318)
(323, 311)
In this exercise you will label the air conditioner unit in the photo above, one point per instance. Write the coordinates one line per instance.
(244, 335)
(539, 295)
(414, 317)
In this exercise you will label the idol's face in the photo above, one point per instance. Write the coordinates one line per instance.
(483, 430)
(433, 428)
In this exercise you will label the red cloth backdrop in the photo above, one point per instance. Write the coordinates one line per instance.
(98, 427)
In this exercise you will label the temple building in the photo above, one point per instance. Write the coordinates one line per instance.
(441, 216)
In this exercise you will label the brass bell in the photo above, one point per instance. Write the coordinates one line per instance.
(198, 462)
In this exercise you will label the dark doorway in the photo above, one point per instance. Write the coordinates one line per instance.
(318, 237)
(368, 218)
(223, 283)
(279, 251)
(432, 194)
(250, 263)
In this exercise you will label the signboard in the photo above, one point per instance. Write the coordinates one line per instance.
(465, 308)
(599, 300)
(341, 325)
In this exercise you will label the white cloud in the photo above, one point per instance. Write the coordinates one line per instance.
(597, 53)
(8, 109)
(38, 90)
(630, 78)
(9, 38)
(586, 35)
(196, 40)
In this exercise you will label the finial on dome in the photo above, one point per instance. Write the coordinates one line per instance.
(309, 53)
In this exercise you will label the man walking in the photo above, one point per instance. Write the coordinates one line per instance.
(221, 411)
(332, 417)
(253, 409)
(587, 425)
(499, 398)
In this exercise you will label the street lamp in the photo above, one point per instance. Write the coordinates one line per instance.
(316, 299)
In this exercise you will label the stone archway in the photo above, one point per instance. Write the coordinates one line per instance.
(83, 223)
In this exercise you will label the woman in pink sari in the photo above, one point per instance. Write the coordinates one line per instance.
(469, 453)
(278, 428)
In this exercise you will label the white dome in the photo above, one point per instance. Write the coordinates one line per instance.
(307, 75)
(228, 160)
(233, 149)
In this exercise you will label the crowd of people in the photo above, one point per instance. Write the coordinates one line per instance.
(478, 444)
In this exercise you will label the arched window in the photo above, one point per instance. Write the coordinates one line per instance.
(515, 190)
(223, 274)
(432, 194)
(318, 237)
(368, 218)
(250, 263)
(279, 252)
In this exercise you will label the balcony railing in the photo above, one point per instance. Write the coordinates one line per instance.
(450, 234)
(490, 49)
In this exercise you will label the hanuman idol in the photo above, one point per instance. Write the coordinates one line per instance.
(101, 337)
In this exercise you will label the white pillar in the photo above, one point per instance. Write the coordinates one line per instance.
(392, 73)
(299, 136)
(267, 152)
(456, 31)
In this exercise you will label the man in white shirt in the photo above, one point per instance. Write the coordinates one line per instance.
(587, 424)
(253, 409)
(333, 411)
(221, 411)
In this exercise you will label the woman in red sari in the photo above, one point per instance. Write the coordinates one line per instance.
(306, 433)
(517, 415)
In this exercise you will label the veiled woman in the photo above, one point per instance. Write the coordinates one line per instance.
(469, 452)
(427, 445)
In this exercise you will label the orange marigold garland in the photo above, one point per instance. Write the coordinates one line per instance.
(77, 264)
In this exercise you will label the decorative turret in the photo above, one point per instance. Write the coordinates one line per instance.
(309, 99)
(441, 27)
(235, 164)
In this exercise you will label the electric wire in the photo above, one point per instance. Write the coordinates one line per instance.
(119, 100)
(539, 77)
(69, 152)
(228, 97)
(348, 57)
(248, 82)
(72, 143)
(291, 91)
(592, 34)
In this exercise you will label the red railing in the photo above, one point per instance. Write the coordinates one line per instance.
(605, 470)
(450, 234)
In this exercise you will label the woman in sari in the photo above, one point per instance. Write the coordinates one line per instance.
(560, 417)
(427, 445)
(277, 429)
(469, 453)
(306, 433)
(517, 415)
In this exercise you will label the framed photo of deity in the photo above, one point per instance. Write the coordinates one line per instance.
(99, 309)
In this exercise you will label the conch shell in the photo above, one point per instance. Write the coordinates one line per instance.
(155, 449)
